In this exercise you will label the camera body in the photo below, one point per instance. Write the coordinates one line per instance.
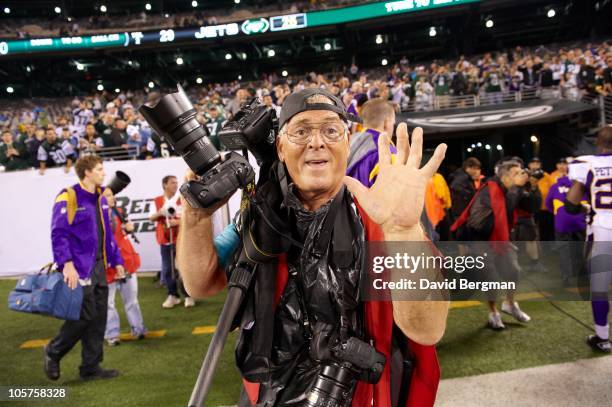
(343, 362)
(537, 174)
(253, 128)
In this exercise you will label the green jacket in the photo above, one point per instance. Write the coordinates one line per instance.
(13, 163)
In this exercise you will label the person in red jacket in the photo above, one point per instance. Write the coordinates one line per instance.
(125, 282)
(166, 212)
(490, 217)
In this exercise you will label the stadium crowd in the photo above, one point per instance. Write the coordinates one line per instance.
(109, 123)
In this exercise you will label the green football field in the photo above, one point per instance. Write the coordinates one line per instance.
(161, 371)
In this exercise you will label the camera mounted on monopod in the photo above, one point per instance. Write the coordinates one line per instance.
(173, 117)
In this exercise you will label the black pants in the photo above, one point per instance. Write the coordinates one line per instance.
(571, 253)
(89, 329)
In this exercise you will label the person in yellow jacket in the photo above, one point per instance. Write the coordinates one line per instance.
(437, 203)
(544, 218)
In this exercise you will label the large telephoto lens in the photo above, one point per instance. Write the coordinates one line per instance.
(174, 118)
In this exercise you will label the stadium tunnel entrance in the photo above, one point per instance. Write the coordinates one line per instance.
(545, 129)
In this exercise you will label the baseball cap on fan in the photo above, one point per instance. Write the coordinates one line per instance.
(297, 102)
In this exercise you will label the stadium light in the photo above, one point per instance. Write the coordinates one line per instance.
(479, 144)
(237, 1)
(327, 46)
(58, 10)
(239, 77)
(199, 80)
(473, 146)
(194, 3)
(384, 62)
(130, 62)
(489, 23)
(469, 149)
(432, 32)
(103, 8)
(148, 6)
(284, 73)
(499, 147)
(534, 139)
(379, 39)
(228, 56)
(551, 13)
(271, 53)
(7, 10)
(166, 15)
(100, 87)
(9, 89)
(488, 146)
(28, 68)
(117, 90)
(179, 61)
(243, 55)
(80, 66)
(151, 85)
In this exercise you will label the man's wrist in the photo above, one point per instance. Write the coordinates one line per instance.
(399, 234)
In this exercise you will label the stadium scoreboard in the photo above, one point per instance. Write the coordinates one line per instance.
(233, 29)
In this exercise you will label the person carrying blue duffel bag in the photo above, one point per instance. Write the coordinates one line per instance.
(83, 247)
(46, 294)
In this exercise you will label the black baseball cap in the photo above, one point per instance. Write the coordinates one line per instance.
(296, 103)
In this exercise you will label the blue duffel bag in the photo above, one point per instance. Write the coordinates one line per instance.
(46, 293)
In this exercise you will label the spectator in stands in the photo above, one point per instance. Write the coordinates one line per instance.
(13, 154)
(531, 76)
(215, 123)
(586, 76)
(608, 76)
(241, 97)
(54, 152)
(442, 83)
(33, 144)
(65, 135)
(459, 84)
(91, 142)
(80, 117)
(423, 94)
(118, 136)
(493, 85)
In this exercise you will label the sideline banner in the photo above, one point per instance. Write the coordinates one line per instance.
(25, 211)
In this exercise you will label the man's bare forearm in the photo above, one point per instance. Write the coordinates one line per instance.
(196, 255)
(422, 321)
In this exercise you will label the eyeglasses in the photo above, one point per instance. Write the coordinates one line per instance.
(331, 132)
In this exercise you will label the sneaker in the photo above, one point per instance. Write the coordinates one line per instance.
(113, 341)
(100, 373)
(171, 301)
(50, 366)
(598, 344)
(189, 302)
(495, 321)
(515, 311)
